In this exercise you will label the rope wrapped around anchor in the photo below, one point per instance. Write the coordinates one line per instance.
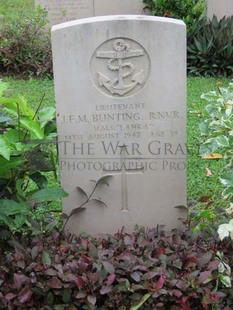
(116, 68)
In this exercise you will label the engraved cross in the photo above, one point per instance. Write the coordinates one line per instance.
(124, 171)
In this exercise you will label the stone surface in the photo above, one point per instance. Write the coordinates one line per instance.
(60, 11)
(114, 7)
(220, 8)
(121, 111)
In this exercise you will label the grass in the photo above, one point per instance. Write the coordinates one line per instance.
(199, 184)
(13, 9)
(33, 90)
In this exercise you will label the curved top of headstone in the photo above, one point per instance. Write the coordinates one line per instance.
(117, 18)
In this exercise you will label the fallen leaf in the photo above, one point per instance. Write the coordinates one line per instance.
(208, 172)
(229, 104)
(204, 198)
(212, 156)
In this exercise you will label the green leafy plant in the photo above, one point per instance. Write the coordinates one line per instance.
(217, 128)
(210, 47)
(25, 50)
(204, 217)
(189, 10)
(26, 153)
(226, 230)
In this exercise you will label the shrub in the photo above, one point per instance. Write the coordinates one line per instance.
(187, 10)
(147, 269)
(26, 136)
(25, 50)
(210, 47)
(217, 129)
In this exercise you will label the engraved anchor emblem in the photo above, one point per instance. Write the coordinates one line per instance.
(121, 51)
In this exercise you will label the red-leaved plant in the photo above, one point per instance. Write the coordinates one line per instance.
(149, 269)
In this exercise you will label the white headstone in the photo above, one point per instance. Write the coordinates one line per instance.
(60, 11)
(220, 8)
(120, 84)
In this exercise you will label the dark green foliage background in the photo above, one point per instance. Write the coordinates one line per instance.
(25, 49)
(187, 10)
(209, 42)
(210, 48)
